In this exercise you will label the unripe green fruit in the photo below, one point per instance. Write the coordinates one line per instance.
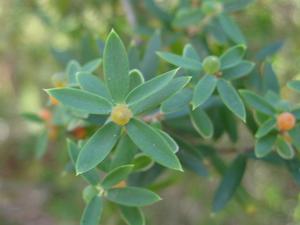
(211, 64)
(89, 193)
(212, 7)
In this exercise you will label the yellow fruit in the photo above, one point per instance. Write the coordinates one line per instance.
(121, 114)
(286, 121)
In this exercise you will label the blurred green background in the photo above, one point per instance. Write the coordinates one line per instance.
(38, 37)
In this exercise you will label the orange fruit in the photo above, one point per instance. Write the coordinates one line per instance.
(286, 121)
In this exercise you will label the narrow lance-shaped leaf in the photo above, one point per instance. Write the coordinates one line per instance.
(72, 68)
(264, 145)
(295, 85)
(202, 123)
(231, 99)
(97, 147)
(93, 84)
(150, 87)
(136, 78)
(149, 63)
(93, 211)
(238, 71)
(91, 176)
(81, 100)
(155, 99)
(124, 152)
(41, 145)
(266, 128)
(116, 67)
(132, 196)
(152, 144)
(203, 90)
(132, 215)
(257, 102)
(180, 61)
(116, 175)
(284, 149)
(91, 66)
(177, 102)
(232, 56)
(231, 29)
(229, 183)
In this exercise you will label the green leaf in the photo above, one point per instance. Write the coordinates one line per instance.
(295, 135)
(203, 90)
(41, 145)
(149, 63)
(132, 196)
(284, 149)
(229, 183)
(266, 128)
(180, 61)
(231, 99)
(142, 162)
(235, 5)
(257, 103)
(295, 85)
(202, 123)
(97, 147)
(116, 175)
(91, 176)
(150, 87)
(264, 145)
(177, 102)
(116, 67)
(124, 152)
(81, 100)
(32, 117)
(136, 78)
(231, 29)
(72, 68)
(171, 142)
(270, 80)
(187, 16)
(239, 70)
(152, 144)
(132, 215)
(93, 211)
(155, 99)
(93, 84)
(192, 163)
(232, 56)
(91, 66)
(88, 193)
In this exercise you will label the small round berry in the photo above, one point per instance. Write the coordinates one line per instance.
(211, 64)
(121, 114)
(286, 121)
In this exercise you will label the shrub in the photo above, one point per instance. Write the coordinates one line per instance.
(133, 122)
